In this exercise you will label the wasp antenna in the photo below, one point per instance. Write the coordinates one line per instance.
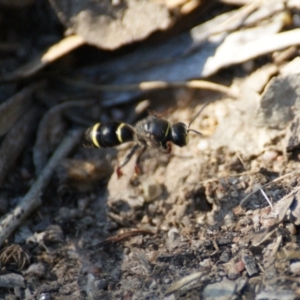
(195, 131)
(197, 114)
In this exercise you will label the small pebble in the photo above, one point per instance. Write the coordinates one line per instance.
(65, 214)
(151, 189)
(36, 269)
(295, 267)
(205, 263)
(167, 280)
(170, 297)
(203, 145)
(256, 221)
(12, 280)
(153, 285)
(269, 155)
(225, 256)
(234, 194)
(173, 239)
(291, 228)
(44, 296)
(101, 284)
(53, 234)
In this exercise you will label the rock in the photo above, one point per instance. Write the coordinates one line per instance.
(12, 280)
(223, 290)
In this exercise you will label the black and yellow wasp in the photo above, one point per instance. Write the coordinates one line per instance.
(153, 132)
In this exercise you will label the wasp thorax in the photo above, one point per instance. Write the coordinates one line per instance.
(179, 134)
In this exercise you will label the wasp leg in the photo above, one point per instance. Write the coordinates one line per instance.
(126, 160)
(137, 170)
(168, 148)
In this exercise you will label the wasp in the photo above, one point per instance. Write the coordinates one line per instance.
(151, 132)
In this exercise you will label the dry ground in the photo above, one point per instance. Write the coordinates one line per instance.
(217, 219)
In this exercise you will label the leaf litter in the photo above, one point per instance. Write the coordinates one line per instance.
(217, 219)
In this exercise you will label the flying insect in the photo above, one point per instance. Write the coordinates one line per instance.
(151, 132)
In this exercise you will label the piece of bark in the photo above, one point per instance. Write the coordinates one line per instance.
(249, 262)
(45, 58)
(183, 282)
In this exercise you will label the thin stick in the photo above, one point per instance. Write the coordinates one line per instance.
(53, 53)
(152, 85)
(248, 173)
(266, 197)
(182, 282)
(240, 158)
(267, 184)
(32, 199)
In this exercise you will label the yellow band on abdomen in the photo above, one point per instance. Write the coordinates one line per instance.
(119, 132)
(93, 135)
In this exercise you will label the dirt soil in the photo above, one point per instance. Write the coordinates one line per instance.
(202, 222)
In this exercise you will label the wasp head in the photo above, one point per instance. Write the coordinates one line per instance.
(179, 134)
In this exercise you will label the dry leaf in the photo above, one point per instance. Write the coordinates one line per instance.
(108, 26)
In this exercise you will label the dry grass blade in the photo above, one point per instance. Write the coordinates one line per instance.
(153, 85)
(263, 235)
(32, 199)
(56, 51)
(245, 199)
(182, 282)
(237, 19)
(14, 255)
(266, 197)
(125, 235)
(281, 208)
(230, 53)
(276, 246)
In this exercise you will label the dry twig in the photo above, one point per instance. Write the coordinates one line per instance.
(153, 85)
(56, 51)
(125, 235)
(244, 200)
(182, 282)
(32, 199)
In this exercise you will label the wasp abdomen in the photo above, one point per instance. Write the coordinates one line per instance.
(106, 135)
